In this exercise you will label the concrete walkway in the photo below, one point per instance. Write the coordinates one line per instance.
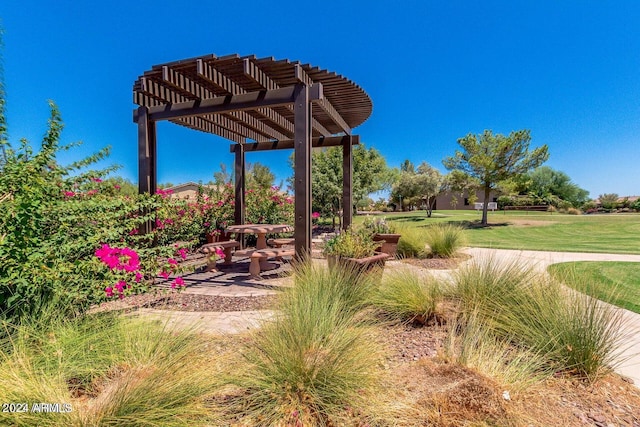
(630, 356)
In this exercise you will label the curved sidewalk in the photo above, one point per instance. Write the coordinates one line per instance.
(630, 367)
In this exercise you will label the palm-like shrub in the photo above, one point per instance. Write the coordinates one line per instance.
(313, 360)
(405, 296)
(444, 239)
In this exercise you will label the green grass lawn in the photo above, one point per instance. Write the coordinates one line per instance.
(614, 282)
(612, 233)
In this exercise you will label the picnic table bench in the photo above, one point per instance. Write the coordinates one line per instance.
(227, 246)
(260, 258)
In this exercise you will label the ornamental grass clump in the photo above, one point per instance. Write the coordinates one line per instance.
(315, 360)
(571, 332)
(472, 344)
(106, 370)
(405, 296)
(444, 240)
(413, 243)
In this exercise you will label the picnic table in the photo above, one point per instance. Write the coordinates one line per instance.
(261, 230)
(261, 254)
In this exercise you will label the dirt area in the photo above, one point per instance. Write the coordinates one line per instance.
(173, 300)
(437, 263)
(446, 394)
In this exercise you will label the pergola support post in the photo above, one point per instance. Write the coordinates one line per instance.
(239, 209)
(347, 183)
(302, 170)
(147, 157)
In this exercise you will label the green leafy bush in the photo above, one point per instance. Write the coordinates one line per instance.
(351, 243)
(378, 225)
(53, 219)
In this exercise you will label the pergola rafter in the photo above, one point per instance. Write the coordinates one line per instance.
(259, 104)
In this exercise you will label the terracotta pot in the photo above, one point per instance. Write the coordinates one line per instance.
(363, 265)
(218, 237)
(389, 243)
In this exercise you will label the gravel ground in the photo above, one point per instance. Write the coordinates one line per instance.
(409, 343)
(189, 302)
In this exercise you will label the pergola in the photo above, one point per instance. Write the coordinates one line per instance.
(259, 104)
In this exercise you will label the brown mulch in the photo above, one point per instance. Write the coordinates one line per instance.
(177, 301)
(437, 263)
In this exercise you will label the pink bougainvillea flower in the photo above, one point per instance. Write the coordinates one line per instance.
(139, 277)
(120, 286)
(109, 291)
(179, 281)
(133, 232)
(69, 194)
(164, 274)
(220, 252)
(182, 252)
(315, 215)
(172, 261)
(92, 192)
(117, 187)
(96, 180)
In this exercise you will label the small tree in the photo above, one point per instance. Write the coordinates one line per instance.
(609, 200)
(430, 183)
(493, 158)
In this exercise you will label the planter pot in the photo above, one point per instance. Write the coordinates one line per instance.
(389, 243)
(362, 265)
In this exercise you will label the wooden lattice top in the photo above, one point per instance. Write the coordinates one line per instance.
(340, 106)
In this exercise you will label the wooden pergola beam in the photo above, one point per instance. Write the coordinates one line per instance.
(215, 77)
(250, 128)
(258, 76)
(317, 142)
(302, 171)
(199, 123)
(223, 104)
(323, 102)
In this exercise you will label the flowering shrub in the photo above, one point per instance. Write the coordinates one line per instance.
(268, 206)
(54, 223)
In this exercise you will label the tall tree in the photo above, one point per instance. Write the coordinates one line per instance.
(494, 158)
(547, 183)
(259, 176)
(430, 183)
(370, 174)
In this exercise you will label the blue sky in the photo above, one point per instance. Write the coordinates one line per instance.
(569, 71)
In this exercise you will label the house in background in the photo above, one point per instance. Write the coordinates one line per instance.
(186, 191)
(445, 200)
